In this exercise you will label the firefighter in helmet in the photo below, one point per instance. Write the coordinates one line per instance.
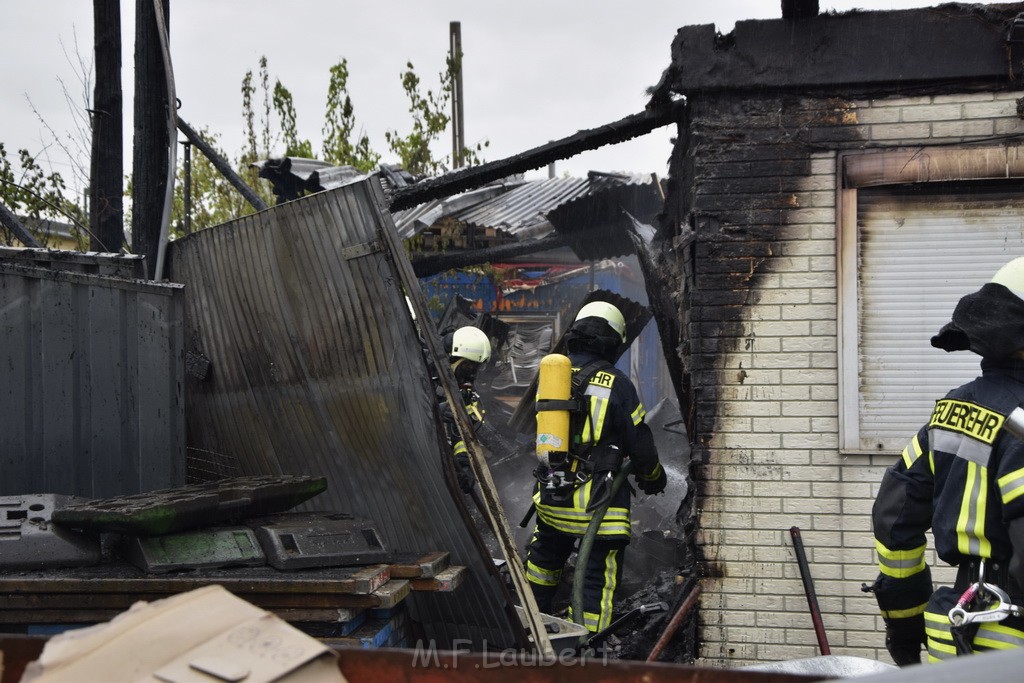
(962, 475)
(608, 428)
(468, 349)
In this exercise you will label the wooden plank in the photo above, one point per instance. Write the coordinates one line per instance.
(445, 582)
(392, 593)
(122, 601)
(326, 616)
(242, 581)
(423, 566)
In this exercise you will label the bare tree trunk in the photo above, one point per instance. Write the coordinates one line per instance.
(149, 158)
(106, 188)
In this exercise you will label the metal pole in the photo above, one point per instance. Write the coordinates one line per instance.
(222, 166)
(673, 624)
(458, 128)
(812, 599)
(11, 222)
(188, 186)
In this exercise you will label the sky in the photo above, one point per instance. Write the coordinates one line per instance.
(533, 70)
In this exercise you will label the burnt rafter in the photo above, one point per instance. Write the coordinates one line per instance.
(464, 179)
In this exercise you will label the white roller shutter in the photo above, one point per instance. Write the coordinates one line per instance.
(919, 250)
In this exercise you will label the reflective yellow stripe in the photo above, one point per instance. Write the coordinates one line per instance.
(912, 452)
(598, 411)
(1011, 486)
(931, 461)
(460, 448)
(999, 637)
(611, 570)
(938, 651)
(591, 621)
(654, 473)
(616, 521)
(582, 495)
(541, 576)
(900, 564)
(638, 414)
(903, 613)
(970, 526)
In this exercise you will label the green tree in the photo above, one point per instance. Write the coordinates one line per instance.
(340, 125)
(34, 195)
(429, 121)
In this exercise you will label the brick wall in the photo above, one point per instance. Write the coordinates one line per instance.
(763, 344)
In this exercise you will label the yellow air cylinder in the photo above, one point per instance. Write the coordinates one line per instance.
(554, 383)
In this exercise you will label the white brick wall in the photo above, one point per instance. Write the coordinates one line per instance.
(773, 459)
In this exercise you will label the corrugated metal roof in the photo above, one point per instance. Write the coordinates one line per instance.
(521, 212)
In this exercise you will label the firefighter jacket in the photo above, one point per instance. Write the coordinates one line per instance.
(961, 475)
(614, 419)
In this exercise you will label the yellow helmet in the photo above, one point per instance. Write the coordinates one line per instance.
(1011, 276)
(607, 312)
(472, 344)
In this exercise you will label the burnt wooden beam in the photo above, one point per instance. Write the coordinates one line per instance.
(889, 50)
(11, 222)
(106, 184)
(464, 179)
(221, 165)
(432, 264)
(150, 158)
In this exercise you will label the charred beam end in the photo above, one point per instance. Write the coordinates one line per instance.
(461, 180)
(11, 222)
(223, 166)
(424, 266)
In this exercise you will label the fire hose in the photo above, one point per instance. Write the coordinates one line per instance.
(587, 544)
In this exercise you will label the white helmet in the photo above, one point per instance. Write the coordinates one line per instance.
(472, 344)
(607, 312)
(1011, 276)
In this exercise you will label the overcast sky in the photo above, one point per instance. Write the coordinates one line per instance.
(534, 70)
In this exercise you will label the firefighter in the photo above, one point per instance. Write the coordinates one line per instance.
(468, 348)
(963, 476)
(609, 428)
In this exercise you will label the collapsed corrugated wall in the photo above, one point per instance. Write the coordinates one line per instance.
(316, 368)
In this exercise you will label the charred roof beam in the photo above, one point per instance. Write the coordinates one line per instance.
(538, 157)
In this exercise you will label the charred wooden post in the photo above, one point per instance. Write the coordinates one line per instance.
(106, 187)
(149, 158)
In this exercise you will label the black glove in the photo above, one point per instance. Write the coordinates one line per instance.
(904, 638)
(464, 473)
(653, 482)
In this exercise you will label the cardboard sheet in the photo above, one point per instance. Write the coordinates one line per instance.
(204, 636)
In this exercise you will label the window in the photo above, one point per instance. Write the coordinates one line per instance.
(912, 242)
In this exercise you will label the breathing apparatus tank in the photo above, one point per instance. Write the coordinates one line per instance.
(554, 389)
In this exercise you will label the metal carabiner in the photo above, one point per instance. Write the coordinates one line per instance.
(959, 616)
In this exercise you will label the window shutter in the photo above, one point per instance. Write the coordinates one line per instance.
(921, 248)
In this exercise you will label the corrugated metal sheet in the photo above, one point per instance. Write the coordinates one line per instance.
(317, 369)
(91, 372)
(920, 251)
(522, 211)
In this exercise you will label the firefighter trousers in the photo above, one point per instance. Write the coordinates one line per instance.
(546, 556)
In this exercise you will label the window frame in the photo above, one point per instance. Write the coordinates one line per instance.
(874, 168)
